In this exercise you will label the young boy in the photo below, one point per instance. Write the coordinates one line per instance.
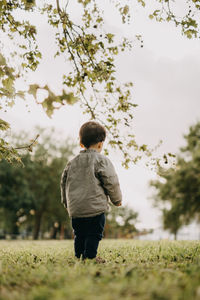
(88, 181)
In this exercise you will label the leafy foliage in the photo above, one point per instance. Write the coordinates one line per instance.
(187, 18)
(6, 151)
(32, 193)
(92, 51)
(181, 187)
(49, 101)
(121, 222)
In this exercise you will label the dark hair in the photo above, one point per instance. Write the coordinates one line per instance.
(92, 133)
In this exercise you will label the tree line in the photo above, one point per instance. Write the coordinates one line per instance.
(30, 203)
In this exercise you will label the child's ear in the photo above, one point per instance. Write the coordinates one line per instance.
(100, 144)
(82, 146)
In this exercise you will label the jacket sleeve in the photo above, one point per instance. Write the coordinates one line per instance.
(63, 186)
(109, 181)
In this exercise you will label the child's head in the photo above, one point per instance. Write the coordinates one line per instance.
(92, 134)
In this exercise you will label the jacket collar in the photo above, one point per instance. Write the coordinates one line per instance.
(88, 150)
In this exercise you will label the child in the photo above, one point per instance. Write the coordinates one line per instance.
(87, 182)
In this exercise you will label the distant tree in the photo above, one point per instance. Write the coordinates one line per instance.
(29, 194)
(55, 218)
(15, 195)
(180, 187)
(172, 220)
(120, 222)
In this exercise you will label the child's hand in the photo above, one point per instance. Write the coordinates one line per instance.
(119, 204)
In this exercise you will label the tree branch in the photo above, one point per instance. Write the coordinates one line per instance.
(28, 146)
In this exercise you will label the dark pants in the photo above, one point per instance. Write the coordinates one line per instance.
(87, 234)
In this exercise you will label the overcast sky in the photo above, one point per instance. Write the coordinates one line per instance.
(165, 73)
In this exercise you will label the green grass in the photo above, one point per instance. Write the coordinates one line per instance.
(133, 270)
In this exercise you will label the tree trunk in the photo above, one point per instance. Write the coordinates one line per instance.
(62, 231)
(54, 233)
(106, 230)
(38, 218)
(15, 228)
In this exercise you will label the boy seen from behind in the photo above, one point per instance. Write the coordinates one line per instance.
(88, 182)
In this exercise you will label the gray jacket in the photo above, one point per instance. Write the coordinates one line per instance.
(88, 181)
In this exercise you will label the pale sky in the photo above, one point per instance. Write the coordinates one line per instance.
(165, 73)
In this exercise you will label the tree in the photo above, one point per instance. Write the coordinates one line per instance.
(91, 49)
(120, 222)
(180, 188)
(15, 195)
(172, 220)
(32, 194)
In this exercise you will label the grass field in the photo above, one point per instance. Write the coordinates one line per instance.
(133, 270)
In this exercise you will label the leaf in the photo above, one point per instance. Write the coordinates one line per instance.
(69, 97)
(8, 84)
(4, 125)
(21, 94)
(142, 2)
(11, 103)
(143, 147)
(110, 37)
(2, 60)
(33, 89)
